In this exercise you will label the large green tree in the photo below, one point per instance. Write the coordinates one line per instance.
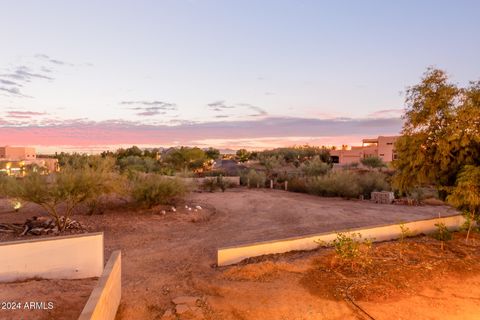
(440, 133)
(186, 158)
(466, 194)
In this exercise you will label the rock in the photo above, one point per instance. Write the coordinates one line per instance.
(167, 315)
(173, 209)
(188, 300)
(163, 212)
(182, 308)
(36, 231)
(198, 207)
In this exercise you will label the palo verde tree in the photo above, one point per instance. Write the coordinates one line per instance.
(466, 194)
(60, 193)
(441, 133)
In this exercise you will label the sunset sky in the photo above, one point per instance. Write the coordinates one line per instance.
(85, 75)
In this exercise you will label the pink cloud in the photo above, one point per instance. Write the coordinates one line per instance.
(83, 133)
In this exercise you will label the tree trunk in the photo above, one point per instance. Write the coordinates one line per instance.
(470, 222)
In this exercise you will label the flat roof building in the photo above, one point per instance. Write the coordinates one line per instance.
(17, 161)
(17, 153)
(382, 147)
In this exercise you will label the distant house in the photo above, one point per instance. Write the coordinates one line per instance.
(17, 161)
(382, 147)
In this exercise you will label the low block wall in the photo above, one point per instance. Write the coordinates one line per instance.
(105, 298)
(63, 257)
(235, 254)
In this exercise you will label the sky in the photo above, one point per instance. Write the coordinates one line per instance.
(91, 75)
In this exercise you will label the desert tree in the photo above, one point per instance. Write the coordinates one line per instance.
(440, 133)
(466, 194)
(62, 192)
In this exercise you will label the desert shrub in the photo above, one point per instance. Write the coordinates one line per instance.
(372, 181)
(297, 184)
(151, 190)
(442, 233)
(335, 184)
(61, 193)
(404, 232)
(373, 162)
(209, 184)
(314, 167)
(352, 249)
(347, 184)
(215, 183)
(255, 178)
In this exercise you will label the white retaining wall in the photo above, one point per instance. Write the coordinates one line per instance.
(62, 257)
(105, 298)
(235, 254)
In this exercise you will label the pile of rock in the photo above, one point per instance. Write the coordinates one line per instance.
(41, 226)
(185, 305)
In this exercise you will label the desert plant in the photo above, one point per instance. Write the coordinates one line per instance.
(214, 183)
(335, 184)
(297, 184)
(63, 191)
(373, 162)
(466, 194)
(151, 190)
(351, 248)
(314, 167)
(442, 233)
(372, 181)
(209, 184)
(255, 178)
(404, 232)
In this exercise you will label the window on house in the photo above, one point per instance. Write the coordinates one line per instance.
(389, 143)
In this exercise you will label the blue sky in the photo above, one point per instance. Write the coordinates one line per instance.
(124, 68)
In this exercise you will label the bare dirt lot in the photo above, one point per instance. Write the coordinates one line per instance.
(172, 255)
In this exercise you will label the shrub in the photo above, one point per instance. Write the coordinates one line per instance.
(152, 190)
(297, 184)
(372, 181)
(63, 191)
(350, 248)
(254, 178)
(442, 233)
(373, 162)
(335, 184)
(214, 183)
(314, 167)
(347, 184)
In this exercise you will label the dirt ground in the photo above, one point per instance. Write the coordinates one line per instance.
(172, 255)
(67, 298)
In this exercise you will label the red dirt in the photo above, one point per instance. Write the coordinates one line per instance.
(173, 255)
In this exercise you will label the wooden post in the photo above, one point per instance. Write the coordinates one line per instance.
(248, 182)
(286, 185)
(271, 184)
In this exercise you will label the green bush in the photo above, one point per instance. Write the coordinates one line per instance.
(335, 184)
(347, 184)
(373, 162)
(314, 167)
(297, 184)
(352, 249)
(254, 178)
(214, 183)
(372, 181)
(152, 190)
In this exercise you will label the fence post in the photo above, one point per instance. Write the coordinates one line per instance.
(286, 185)
(271, 184)
(248, 182)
